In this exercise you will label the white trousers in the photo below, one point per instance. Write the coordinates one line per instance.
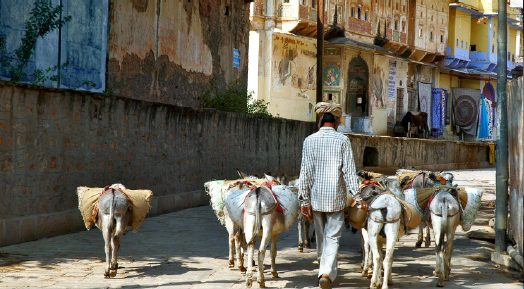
(328, 230)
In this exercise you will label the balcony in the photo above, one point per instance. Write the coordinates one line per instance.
(458, 60)
(481, 61)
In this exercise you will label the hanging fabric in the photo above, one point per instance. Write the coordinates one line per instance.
(483, 121)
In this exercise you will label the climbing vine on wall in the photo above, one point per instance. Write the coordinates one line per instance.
(43, 19)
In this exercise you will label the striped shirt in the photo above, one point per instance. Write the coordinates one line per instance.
(328, 168)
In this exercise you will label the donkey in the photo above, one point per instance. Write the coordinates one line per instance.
(424, 179)
(262, 215)
(114, 217)
(235, 233)
(429, 180)
(303, 223)
(445, 217)
(385, 212)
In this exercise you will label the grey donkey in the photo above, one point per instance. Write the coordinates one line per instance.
(114, 216)
(261, 216)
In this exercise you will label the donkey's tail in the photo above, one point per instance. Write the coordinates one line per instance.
(256, 227)
(112, 211)
(443, 224)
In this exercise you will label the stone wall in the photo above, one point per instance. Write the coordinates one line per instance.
(53, 141)
(387, 154)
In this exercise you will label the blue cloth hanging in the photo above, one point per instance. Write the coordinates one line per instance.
(483, 119)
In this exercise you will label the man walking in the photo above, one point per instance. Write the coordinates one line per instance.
(327, 171)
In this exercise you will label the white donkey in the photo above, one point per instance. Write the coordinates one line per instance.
(445, 217)
(385, 212)
(266, 216)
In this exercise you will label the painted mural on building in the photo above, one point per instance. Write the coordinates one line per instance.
(294, 61)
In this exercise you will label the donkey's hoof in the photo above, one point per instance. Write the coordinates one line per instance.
(249, 282)
(106, 274)
(308, 246)
(440, 283)
(436, 273)
(300, 249)
(274, 274)
(112, 273)
(242, 269)
(261, 284)
(231, 265)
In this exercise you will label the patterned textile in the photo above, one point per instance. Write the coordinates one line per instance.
(424, 98)
(466, 103)
(327, 170)
(436, 113)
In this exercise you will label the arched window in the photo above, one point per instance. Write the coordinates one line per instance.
(359, 11)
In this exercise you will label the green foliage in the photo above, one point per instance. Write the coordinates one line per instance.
(44, 19)
(233, 99)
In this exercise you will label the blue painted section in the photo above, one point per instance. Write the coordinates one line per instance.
(493, 58)
(463, 53)
(83, 41)
(478, 56)
(448, 50)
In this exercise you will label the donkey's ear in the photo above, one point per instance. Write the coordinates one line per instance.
(433, 177)
(241, 174)
(404, 181)
(270, 178)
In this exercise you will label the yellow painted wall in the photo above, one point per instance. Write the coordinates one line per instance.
(461, 30)
(479, 35)
(470, 83)
(512, 42)
(293, 77)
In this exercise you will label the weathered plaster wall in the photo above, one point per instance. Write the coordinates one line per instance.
(83, 42)
(293, 77)
(53, 141)
(167, 51)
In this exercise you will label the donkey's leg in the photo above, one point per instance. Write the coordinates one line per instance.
(120, 227)
(107, 234)
(427, 240)
(437, 232)
(240, 251)
(420, 235)
(231, 233)
(274, 255)
(300, 225)
(392, 231)
(249, 233)
(373, 230)
(264, 241)
(366, 252)
(453, 222)
(307, 242)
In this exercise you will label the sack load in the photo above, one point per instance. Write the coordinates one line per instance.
(288, 200)
(470, 209)
(411, 217)
(140, 201)
(286, 197)
(214, 190)
(357, 217)
(234, 203)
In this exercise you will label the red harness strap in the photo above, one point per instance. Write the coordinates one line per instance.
(115, 187)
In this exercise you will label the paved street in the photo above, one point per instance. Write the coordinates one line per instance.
(188, 249)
